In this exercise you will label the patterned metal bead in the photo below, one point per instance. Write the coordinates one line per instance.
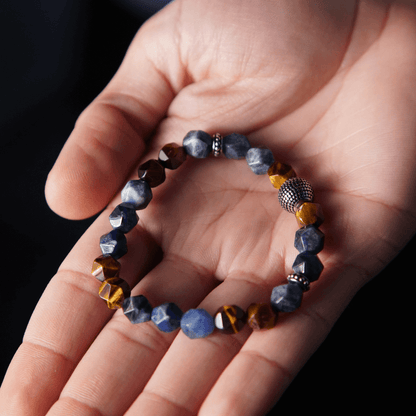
(302, 280)
(216, 144)
(293, 192)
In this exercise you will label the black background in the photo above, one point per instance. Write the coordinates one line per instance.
(56, 56)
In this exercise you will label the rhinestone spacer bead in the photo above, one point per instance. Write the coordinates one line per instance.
(294, 192)
(302, 280)
(216, 144)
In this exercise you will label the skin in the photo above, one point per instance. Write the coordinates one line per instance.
(330, 88)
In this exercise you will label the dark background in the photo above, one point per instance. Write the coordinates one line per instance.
(56, 56)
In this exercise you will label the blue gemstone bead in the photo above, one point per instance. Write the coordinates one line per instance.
(137, 309)
(309, 265)
(310, 239)
(114, 244)
(167, 317)
(259, 160)
(137, 193)
(124, 217)
(197, 323)
(235, 146)
(198, 144)
(286, 298)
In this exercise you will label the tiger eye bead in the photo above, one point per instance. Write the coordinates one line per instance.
(309, 213)
(152, 172)
(104, 267)
(171, 156)
(261, 316)
(230, 319)
(114, 290)
(279, 173)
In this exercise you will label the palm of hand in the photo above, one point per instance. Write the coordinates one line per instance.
(326, 92)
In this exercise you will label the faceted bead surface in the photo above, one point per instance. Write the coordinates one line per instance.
(259, 159)
(310, 239)
(230, 319)
(114, 290)
(104, 267)
(137, 309)
(280, 173)
(124, 217)
(197, 323)
(309, 265)
(167, 317)
(137, 193)
(261, 316)
(293, 192)
(197, 144)
(114, 244)
(235, 146)
(309, 214)
(286, 298)
(171, 156)
(152, 172)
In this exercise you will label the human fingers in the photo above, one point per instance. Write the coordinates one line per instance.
(110, 134)
(123, 357)
(65, 323)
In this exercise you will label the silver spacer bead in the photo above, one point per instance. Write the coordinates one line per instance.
(216, 144)
(293, 192)
(302, 280)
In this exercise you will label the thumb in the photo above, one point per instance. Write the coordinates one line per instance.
(109, 136)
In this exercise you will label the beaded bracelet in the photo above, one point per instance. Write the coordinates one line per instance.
(294, 194)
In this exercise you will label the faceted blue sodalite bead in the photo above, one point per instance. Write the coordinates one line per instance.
(137, 309)
(310, 239)
(124, 217)
(197, 323)
(137, 193)
(259, 159)
(309, 265)
(197, 144)
(286, 298)
(235, 146)
(167, 317)
(114, 244)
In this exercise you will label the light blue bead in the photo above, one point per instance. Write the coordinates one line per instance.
(259, 159)
(197, 323)
(114, 244)
(309, 265)
(197, 144)
(310, 239)
(235, 146)
(286, 298)
(124, 217)
(167, 317)
(137, 193)
(137, 309)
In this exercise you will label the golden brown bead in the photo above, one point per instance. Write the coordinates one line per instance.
(279, 173)
(152, 172)
(230, 319)
(104, 267)
(261, 316)
(171, 156)
(114, 290)
(309, 213)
